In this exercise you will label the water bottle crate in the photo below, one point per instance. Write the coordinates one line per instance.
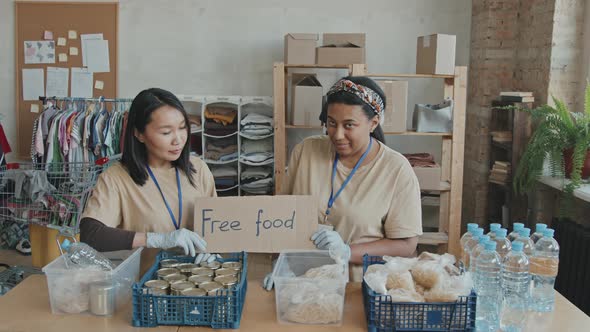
(383, 314)
(221, 311)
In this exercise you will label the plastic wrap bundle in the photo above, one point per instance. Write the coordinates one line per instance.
(427, 278)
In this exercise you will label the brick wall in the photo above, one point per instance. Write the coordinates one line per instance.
(529, 45)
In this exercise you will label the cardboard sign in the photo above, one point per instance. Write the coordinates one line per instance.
(256, 223)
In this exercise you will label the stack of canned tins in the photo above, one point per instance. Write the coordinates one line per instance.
(175, 278)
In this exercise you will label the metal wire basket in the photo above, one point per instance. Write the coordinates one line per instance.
(49, 194)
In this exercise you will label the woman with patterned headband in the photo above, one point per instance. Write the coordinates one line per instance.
(368, 192)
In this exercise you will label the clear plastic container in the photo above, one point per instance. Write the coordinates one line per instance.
(69, 285)
(304, 300)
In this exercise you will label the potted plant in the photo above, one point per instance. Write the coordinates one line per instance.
(561, 136)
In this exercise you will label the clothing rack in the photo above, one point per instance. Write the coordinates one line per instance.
(44, 99)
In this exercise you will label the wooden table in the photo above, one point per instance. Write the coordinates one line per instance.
(26, 308)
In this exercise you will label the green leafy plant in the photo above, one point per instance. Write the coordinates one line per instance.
(558, 129)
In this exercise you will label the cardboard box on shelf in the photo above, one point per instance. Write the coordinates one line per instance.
(428, 177)
(300, 48)
(306, 100)
(396, 100)
(436, 54)
(341, 49)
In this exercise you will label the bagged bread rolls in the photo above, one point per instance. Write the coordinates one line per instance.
(401, 280)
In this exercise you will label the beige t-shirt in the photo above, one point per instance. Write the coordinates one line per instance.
(117, 201)
(382, 200)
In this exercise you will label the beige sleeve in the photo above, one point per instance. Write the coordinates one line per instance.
(404, 218)
(104, 204)
(208, 182)
(292, 171)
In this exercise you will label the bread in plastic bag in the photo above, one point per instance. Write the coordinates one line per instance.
(399, 264)
(400, 280)
(329, 271)
(427, 273)
(377, 280)
(404, 295)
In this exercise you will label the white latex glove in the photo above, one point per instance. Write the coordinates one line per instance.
(187, 240)
(331, 240)
(206, 257)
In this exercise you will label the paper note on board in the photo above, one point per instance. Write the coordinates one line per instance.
(61, 41)
(33, 83)
(57, 82)
(99, 85)
(256, 223)
(72, 34)
(48, 35)
(73, 51)
(81, 83)
(39, 51)
(63, 57)
(84, 38)
(34, 108)
(97, 56)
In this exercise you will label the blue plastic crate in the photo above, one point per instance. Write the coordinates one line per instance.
(384, 315)
(222, 311)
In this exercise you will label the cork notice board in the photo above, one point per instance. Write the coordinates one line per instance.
(32, 19)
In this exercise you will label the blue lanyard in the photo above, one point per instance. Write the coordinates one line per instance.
(356, 167)
(176, 225)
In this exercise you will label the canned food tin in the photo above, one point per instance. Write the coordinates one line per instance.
(172, 278)
(177, 287)
(225, 272)
(194, 292)
(161, 273)
(158, 287)
(167, 263)
(186, 268)
(202, 271)
(232, 266)
(212, 265)
(197, 280)
(227, 281)
(211, 287)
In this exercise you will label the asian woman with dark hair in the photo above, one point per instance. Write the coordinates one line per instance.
(147, 199)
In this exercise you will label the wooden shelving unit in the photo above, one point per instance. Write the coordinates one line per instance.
(453, 145)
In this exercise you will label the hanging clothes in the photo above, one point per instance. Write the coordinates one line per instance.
(79, 132)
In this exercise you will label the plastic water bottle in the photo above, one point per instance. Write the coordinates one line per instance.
(517, 226)
(493, 228)
(478, 249)
(538, 234)
(469, 246)
(503, 246)
(84, 255)
(489, 292)
(527, 244)
(469, 234)
(544, 267)
(515, 288)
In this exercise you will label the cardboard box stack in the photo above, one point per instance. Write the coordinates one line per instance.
(341, 49)
(306, 99)
(396, 100)
(300, 48)
(500, 173)
(436, 54)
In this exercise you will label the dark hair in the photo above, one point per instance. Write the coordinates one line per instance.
(346, 98)
(135, 153)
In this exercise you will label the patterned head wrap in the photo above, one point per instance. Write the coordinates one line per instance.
(368, 96)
